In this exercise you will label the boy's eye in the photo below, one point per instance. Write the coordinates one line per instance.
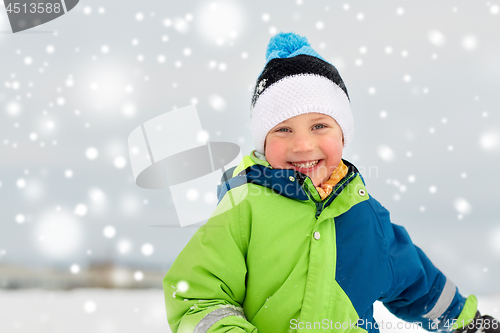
(286, 129)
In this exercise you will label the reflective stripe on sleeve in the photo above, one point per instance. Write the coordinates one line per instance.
(215, 316)
(443, 301)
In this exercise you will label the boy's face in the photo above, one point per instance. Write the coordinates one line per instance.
(306, 138)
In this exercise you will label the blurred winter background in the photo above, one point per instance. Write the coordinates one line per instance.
(82, 248)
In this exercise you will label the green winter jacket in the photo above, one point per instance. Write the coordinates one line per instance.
(274, 257)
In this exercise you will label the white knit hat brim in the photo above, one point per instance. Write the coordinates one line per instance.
(299, 94)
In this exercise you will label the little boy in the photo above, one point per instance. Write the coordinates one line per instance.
(296, 243)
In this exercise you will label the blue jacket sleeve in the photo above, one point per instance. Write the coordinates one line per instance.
(419, 291)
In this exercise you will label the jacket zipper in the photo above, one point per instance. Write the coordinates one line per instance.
(320, 204)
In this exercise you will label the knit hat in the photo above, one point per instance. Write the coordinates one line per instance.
(297, 80)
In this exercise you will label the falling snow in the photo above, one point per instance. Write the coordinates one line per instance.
(147, 249)
(425, 116)
(91, 153)
(469, 42)
(217, 102)
(386, 153)
(75, 269)
(436, 37)
(20, 218)
(490, 141)
(109, 231)
(138, 276)
(89, 306)
(81, 210)
(462, 206)
(124, 246)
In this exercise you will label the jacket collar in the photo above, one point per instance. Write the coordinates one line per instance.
(287, 182)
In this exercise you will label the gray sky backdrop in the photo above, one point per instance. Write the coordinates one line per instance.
(423, 78)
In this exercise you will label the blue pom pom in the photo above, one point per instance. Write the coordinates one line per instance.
(285, 44)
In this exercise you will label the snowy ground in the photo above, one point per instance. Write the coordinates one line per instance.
(124, 311)
(83, 311)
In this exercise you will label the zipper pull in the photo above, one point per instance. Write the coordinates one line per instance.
(319, 209)
(319, 204)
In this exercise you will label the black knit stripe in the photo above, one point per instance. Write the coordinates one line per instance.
(278, 68)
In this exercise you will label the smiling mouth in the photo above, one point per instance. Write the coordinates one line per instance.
(306, 164)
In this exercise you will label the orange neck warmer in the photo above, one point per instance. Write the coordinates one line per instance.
(337, 174)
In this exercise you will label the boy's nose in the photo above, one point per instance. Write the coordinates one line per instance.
(302, 144)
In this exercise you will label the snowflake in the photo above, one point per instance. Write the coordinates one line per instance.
(261, 85)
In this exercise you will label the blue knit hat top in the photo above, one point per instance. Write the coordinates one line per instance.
(287, 45)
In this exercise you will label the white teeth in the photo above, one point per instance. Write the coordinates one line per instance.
(305, 165)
